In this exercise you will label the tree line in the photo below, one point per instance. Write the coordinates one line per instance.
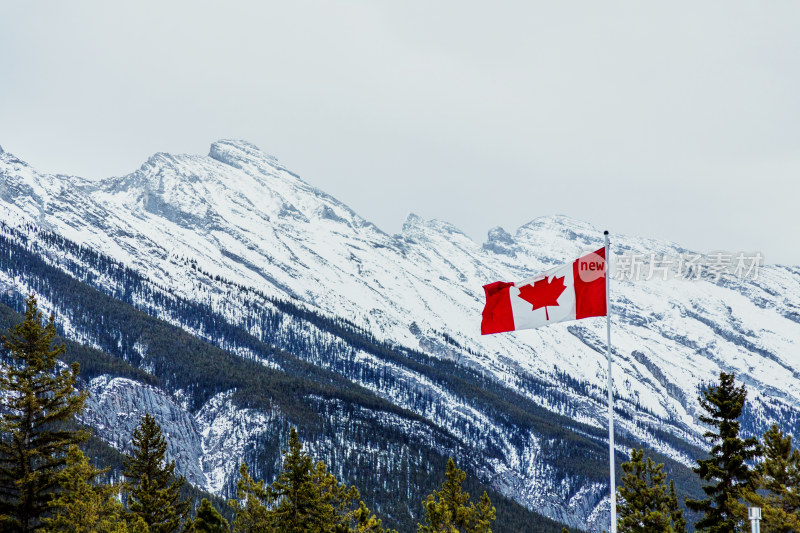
(737, 473)
(47, 484)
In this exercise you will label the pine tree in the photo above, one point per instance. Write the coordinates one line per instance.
(251, 506)
(779, 473)
(365, 522)
(303, 498)
(85, 506)
(646, 504)
(300, 502)
(153, 490)
(340, 499)
(337, 499)
(725, 471)
(778, 481)
(485, 514)
(447, 510)
(207, 520)
(674, 510)
(38, 403)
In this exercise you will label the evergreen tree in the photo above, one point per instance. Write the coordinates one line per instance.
(725, 471)
(365, 522)
(303, 498)
(674, 510)
(207, 520)
(485, 514)
(447, 510)
(300, 506)
(336, 498)
(38, 403)
(778, 481)
(646, 504)
(779, 473)
(153, 490)
(340, 499)
(251, 506)
(85, 506)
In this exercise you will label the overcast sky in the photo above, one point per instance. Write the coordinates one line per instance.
(674, 120)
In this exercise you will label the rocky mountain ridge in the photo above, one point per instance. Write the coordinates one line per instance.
(237, 232)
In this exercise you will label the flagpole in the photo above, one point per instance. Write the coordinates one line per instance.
(612, 469)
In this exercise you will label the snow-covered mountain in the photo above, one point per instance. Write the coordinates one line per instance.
(236, 231)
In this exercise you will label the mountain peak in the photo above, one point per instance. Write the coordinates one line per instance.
(499, 241)
(237, 143)
(237, 153)
(566, 228)
(158, 159)
(8, 157)
(415, 223)
(558, 221)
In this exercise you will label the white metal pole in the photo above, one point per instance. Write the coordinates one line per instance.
(612, 469)
(755, 519)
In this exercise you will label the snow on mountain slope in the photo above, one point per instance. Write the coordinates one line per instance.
(517, 459)
(243, 216)
(239, 214)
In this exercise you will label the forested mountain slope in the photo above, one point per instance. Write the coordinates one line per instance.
(240, 252)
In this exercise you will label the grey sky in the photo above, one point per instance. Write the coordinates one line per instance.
(675, 120)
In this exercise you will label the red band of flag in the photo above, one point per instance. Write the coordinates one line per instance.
(568, 292)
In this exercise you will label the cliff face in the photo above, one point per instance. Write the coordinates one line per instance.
(207, 446)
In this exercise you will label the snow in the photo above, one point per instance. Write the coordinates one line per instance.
(239, 214)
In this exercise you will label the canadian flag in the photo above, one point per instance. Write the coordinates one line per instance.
(568, 292)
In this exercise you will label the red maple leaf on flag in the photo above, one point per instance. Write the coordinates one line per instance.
(543, 293)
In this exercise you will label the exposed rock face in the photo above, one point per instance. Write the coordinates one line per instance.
(208, 447)
(500, 242)
(116, 406)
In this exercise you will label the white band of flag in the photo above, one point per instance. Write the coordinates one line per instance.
(568, 292)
